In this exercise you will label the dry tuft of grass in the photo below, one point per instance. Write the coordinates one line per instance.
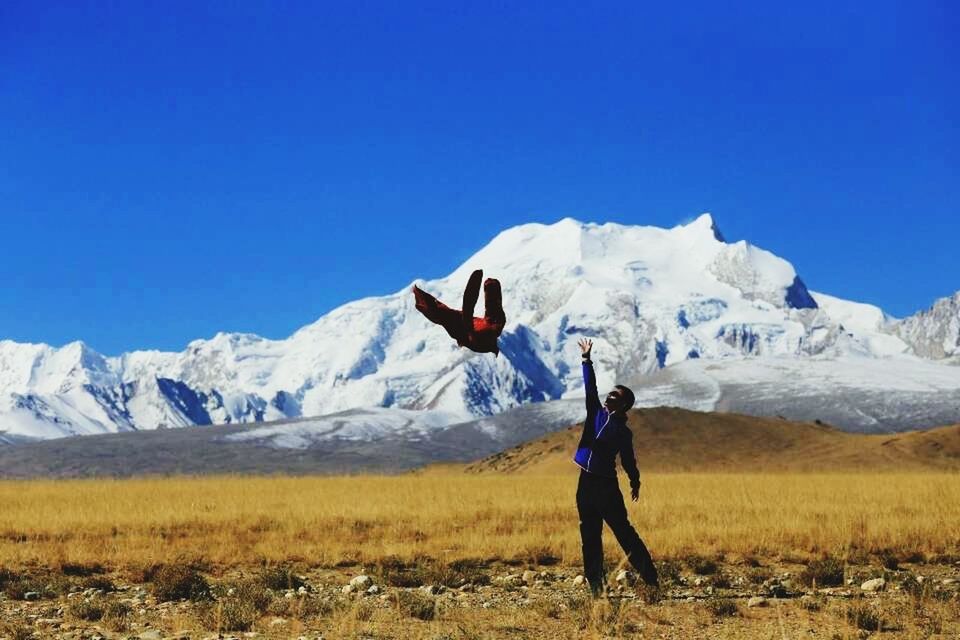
(86, 610)
(722, 607)
(826, 572)
(238, 608)
(701, 565)
(16, 631)
(863, 616)
(179, 582)
(280, 577)
(414, 605)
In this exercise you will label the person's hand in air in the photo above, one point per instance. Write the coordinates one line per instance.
(635, 493)
(585, 346)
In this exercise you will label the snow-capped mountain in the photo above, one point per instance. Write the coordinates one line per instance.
(650, 298)
(934, 333)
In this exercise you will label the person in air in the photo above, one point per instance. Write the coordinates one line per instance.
(477, 334)
(605, 435)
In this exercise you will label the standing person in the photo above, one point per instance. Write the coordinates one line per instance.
(605, 434)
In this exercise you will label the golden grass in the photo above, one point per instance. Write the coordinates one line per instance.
(234, 521)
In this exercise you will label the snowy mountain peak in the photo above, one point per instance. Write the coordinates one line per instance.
(705, 223)
(935, 332)
(650, 298)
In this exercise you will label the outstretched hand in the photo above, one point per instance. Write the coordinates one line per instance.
(585, 346)
(635, 493)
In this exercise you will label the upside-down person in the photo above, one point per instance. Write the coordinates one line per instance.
(477, 334)
(605, 435)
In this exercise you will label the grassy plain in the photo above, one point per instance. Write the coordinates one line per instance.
(95, 553)
(232, 521)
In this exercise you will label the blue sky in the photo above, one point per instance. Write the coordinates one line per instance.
(171, 171)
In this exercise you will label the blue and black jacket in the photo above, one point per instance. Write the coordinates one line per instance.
(604, 435)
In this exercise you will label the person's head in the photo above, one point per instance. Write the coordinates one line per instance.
(620, 399)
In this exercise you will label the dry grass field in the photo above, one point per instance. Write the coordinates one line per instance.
(761, 529)
(468, 538)
(327, 520)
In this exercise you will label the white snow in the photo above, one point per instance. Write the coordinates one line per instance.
(648, 297)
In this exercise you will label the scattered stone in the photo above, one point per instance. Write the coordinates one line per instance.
(31, 595)
(288, 595)
(361, 582)
(529, 576)
(877, 584)
(373, 590)
(151, 634)
(578, 581)
(347, 588)
(948, 581)
(430, 589)
(624, 576)
(757, 601)
(276, 622)
(302, 591)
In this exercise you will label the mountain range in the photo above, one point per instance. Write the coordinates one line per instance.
(685, 317)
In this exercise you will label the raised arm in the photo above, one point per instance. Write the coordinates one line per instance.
(589, 377)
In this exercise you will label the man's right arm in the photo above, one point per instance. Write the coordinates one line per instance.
(590, 385)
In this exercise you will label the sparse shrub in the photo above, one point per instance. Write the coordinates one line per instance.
(5, 576)
(668, 571)
(413, 604)
(888, 559)
(240, 610)
(812, 604)
(280, 577)
(362, 610)
(81, 570)
(58, 585)
(300, 608)
(15, 631)
(913, 557)
(538, 556)
(721, 581)
(179, 582)
(469, 570)
(116, 615)
(752, 561)
(395, 572)
(701, 565)
(649, 594)
(945, 558)
(547, 608)
(913, 586)
(827, 572)
(722, 607)
(88, 610)
(423, 571)
(759, 576)
(20, 586)
(97, 582)
(863, 617)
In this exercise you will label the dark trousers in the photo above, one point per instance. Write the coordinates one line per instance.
(599, 500)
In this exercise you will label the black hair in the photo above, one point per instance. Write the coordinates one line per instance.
(628, 396)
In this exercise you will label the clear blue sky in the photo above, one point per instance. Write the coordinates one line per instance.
(169, 170)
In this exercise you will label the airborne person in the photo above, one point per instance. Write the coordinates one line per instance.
(477, 334)
(605, 434)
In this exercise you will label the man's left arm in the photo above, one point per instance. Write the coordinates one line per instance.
(629, 462)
